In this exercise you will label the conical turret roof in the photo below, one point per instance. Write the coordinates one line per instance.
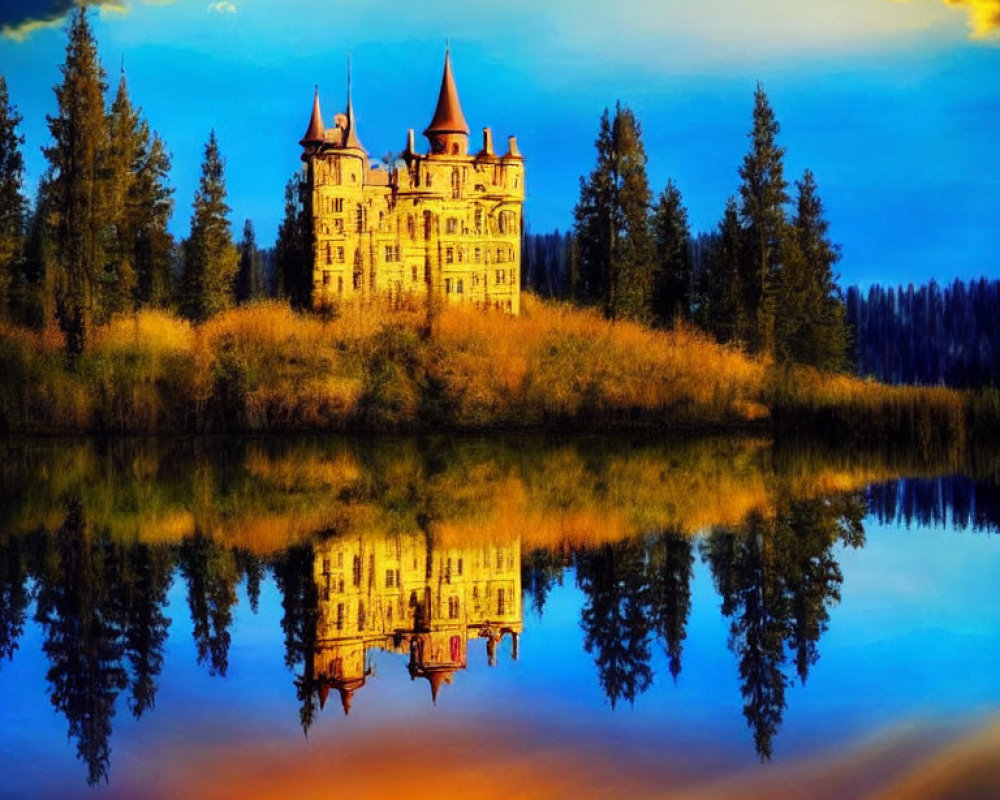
(350, 134)
(448, 116)
(314, 133)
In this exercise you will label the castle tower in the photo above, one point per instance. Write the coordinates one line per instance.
(448, 132)
(313, 136)
(441, 227)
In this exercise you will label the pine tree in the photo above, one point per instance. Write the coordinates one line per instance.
(828, 338)
(210, 259)
(293, 249)
(13, 205)
(764, 194)
(250, 284)
(125, 134)
(719, 296)
(672, 275)
(77, 185)
(153, 202)
(612, 221)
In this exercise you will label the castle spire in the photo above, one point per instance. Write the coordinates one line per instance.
(314, 133)
(448, 121)
(350, 135)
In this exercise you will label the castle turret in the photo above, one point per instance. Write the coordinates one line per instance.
(314, 133)
(448, 132)
(351, 134)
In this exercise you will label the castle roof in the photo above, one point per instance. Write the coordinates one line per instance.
(314, 133)
(448, 117)
(350, 134)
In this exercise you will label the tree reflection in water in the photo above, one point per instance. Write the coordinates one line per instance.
(99, 587)
(778, 578)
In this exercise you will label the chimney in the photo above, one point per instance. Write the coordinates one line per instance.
(487, 142)
(512, 151)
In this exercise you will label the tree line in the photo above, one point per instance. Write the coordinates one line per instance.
(928, 334)
(95, 242)
(765, 278)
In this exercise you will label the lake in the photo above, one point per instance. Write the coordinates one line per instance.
(520, 617)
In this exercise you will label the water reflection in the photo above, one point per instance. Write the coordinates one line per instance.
(417, 551)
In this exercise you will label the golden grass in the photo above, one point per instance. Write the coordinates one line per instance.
(265, 367)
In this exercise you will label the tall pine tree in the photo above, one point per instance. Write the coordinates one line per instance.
(823, 339)
(612, 221)
(153, 203)
(210, 259)
(13, 205)
(77, 185)
(672, 274)
(121, 164)
(764, 194)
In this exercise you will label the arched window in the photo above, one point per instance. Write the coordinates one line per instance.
(456, 181)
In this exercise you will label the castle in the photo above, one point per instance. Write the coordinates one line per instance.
(438, 226)
(403, 593)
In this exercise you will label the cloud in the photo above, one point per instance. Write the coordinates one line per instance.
(984, 16)
(223, 7)
(20, 18)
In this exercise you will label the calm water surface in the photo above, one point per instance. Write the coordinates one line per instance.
(514, 618)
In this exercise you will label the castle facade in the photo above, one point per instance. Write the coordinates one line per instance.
(402, 593)
(444, 225)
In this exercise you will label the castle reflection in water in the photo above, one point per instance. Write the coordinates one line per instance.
(401, 594)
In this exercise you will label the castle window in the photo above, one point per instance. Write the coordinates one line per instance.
(458, 286)
(338, 205)
(362, 617)
(338, 226)
(460, 566)
(447, 285)
(414, 273)
(461, 254)
(501, 601)
(340, 616)
(357, 280)
(359, 219)
(499, 559)
(451, 225)
(356, 572)
(456, 178)
(477, 255)
(428, 222)
(329, 255)
(411, 227)
(392, 252)
(340, 285)
(479, 220)
(503, 222)
(449, 255)
(340, 255)
(326, 282)
(453, 607)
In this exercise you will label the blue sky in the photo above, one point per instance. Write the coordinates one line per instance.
(894, 104)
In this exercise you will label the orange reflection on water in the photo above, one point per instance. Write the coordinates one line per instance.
(433, 761)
